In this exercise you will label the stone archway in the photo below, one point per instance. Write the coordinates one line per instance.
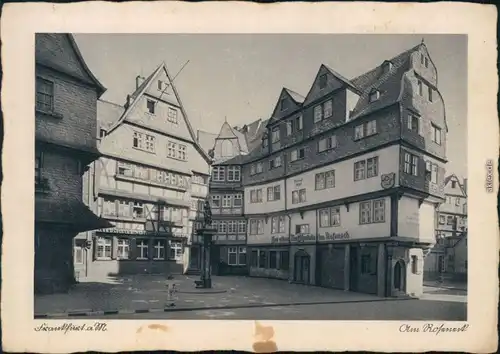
(399, 277)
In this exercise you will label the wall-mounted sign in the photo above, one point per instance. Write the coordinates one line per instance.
(334, 236)
(388, 180)
(303, 238)
(124, 231)
(279, 239)
(298, 182)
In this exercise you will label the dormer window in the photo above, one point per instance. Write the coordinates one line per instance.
(386, 66)
(322, 81)
(374, 95)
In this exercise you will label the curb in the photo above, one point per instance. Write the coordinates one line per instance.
(83, 313)
(437, 286)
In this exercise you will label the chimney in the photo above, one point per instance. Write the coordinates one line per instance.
(139, 80)
(127, 103)
(465, 185)
(236, 128)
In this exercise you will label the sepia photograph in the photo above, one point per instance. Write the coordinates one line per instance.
(212, 176)
(205, 180)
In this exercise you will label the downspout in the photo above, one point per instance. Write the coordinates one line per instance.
(285, 171)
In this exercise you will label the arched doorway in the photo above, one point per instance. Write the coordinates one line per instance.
(302, 262)
(399, 276)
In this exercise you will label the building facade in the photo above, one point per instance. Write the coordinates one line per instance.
(150, 183)
(226, 197)
(65, 143)
(342, 190)
(448, 258)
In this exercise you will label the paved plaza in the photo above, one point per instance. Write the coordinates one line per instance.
(146, 296)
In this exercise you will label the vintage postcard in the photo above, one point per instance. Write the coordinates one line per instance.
(251, 177)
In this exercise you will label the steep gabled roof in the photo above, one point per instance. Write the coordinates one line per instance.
(206, 140)
(139, 92)
(297, 97)
(346, 81)
(108, 113)
(447, 180)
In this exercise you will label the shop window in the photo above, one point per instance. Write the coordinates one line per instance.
(104, 248)
(159, 250)
(262, 259)
(232, 256)
(176, 250)
(367, 266)
(123, 249)
(254, 258)
(284, 260)
(242, 256)
(302, 229)
(142, 249)
(273, 258)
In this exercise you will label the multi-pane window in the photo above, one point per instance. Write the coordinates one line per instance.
(216, 201)
(172, 115)
(273, 193)
(411, 164)
(256, 196)
(151, 105)
(298, 123)
(366, 168)
(123, 248)
(237, 200)
(182, 152)
(259, 167)
(365, 130)
(275, 135)
(274, 163)
(233, 173)
(104, 246)
(278, 224)
(218, 173)
(436, 134)
(124, 208)
(242, 227)
(420, 88)
(44, 95)
(327, 143)
(450, 220)
(142, 249)
(222, 227)
(442, 219)
(325, 180)
(232, 255)
(323, 111)
(176, 250)
(302, 229)
(159, 249)
(138, 210)
(274, 224)
(434, 173)
(297, 154)
(372, 211)
(242, 255)
(329, 217)
(256, 226)
(299, 196)
(226, 201)
(144, 142)
(283, 104)
(171, 149)
(413, 123)
(38, 167)
(231, 227)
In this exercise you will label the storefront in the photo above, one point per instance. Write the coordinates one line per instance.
(269, 256)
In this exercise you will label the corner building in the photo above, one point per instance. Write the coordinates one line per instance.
(343, 190)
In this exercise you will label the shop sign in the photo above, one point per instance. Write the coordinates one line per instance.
(279, 239)
(299, 238)
(334, 236)
(298, 182)
(124, 231)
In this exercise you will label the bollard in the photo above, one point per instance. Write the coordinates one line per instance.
(171, 294)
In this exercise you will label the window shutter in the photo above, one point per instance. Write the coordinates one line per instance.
(420, 126)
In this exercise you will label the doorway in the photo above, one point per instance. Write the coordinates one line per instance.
(353, 268)
(399, 276)
(302, 267)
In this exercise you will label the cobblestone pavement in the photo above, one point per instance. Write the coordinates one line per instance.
(145, 292)
(408, 310)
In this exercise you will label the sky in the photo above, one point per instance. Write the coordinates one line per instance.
(239, 77)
